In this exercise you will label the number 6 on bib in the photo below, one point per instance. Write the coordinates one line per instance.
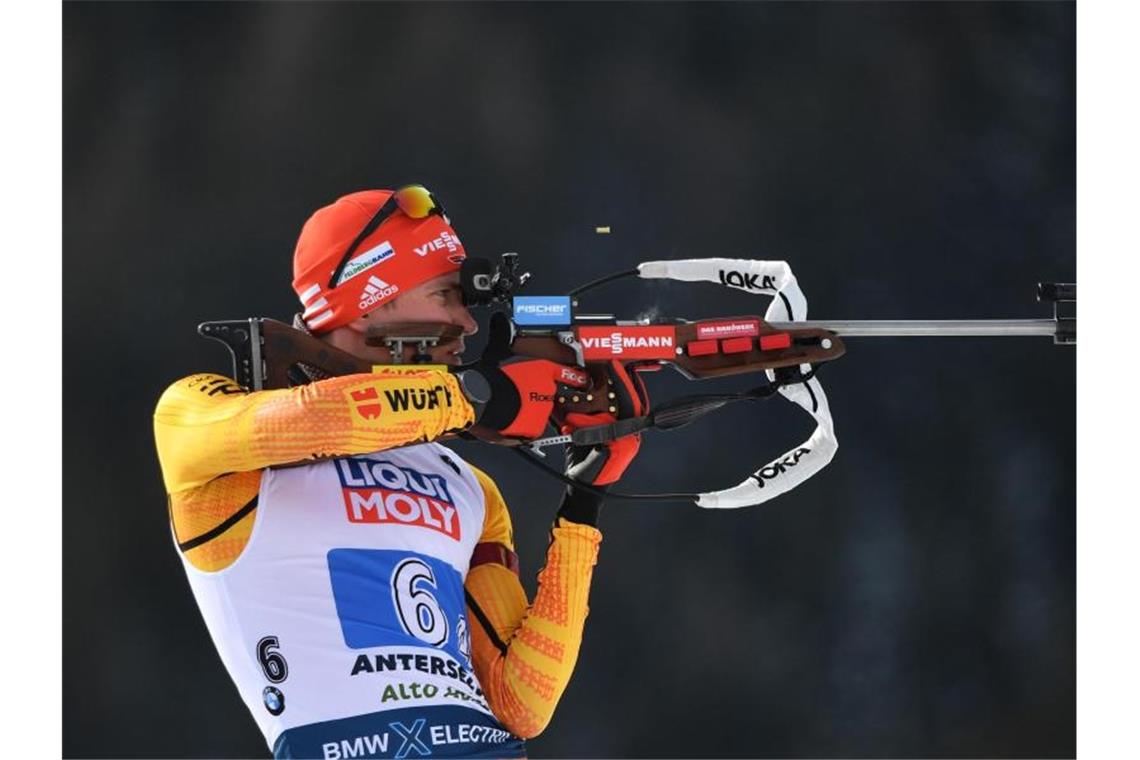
(388, 597)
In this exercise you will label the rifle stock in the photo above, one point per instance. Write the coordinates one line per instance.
(268, 354)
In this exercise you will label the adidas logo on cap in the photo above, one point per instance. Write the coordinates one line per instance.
(375, 291)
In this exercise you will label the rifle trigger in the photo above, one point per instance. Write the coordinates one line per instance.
(536, 446)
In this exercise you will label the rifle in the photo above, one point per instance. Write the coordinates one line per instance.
(782, 345)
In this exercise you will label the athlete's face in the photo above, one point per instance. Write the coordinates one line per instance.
(437, 300)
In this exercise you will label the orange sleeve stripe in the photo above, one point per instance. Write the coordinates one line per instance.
(543, 644)
(206, 426)
(543, 684)
(523, 684)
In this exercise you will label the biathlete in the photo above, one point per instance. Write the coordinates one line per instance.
(358, 578)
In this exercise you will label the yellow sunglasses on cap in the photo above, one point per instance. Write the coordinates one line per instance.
(416, 201)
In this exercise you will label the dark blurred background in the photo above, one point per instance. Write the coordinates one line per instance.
(917, 598)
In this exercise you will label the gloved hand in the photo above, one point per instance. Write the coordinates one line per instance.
(521, 394)
(604, 464)
(514, 398)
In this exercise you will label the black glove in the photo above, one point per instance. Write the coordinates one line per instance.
(516, 398)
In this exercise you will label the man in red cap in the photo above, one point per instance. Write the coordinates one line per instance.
(358, 579)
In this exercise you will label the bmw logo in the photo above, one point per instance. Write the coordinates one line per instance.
(274, 700)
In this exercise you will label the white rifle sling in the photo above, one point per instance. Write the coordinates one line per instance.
(770, 278)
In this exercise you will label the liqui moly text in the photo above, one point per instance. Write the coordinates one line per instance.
(380, 492)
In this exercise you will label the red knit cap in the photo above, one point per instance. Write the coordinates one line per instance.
(401, 254)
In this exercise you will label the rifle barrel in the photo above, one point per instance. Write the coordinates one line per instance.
(899, 328)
